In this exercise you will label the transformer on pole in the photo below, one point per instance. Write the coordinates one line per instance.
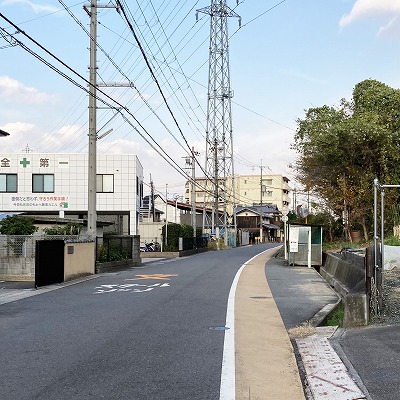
(219, 179)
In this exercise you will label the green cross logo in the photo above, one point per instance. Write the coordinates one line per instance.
(24, 162)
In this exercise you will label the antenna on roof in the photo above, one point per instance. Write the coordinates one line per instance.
(27, 149)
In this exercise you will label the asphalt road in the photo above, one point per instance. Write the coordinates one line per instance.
(149, 333)
(374, 352)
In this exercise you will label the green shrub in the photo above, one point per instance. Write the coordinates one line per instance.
(72, 228)
(112, 253)
(175, 231)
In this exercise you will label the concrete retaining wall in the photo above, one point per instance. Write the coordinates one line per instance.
(342, 274)
(171, 254)
(136, 262)
(347, 276)
(114, 266)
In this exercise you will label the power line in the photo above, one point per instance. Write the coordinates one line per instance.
(22, 45)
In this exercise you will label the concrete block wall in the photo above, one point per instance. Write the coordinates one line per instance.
(20, 268)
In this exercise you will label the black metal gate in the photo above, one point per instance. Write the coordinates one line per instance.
(49, 262)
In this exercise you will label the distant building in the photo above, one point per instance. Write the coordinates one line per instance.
(57, 184)
(249, 190)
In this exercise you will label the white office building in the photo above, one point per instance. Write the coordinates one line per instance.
(57, 184)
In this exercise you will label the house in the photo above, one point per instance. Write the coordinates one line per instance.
(248, 219)
(154, 214)
(44, 184)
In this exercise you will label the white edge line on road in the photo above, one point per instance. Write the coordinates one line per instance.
(228, 376)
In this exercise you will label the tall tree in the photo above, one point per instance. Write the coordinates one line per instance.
(341, 150)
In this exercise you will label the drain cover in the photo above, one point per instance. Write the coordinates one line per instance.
(218, 328)
(261, 297)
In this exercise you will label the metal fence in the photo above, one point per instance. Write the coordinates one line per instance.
(193, 243)
(17, 246)
(114, 248)
(24, 245)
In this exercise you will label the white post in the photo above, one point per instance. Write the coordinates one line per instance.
(309, 249)
(285, 219)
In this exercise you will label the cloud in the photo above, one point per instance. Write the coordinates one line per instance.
(305, 77)
(10, 89)
(17, 127)
(392, 28)
(367, 8)
(20, 132)
(36, 8)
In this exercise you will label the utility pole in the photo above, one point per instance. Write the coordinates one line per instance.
(190, 163)
(261, 205)
(152, 199)
(92, 217)
(91, 10)
(166, 214)
(193, 195)
(219, 179)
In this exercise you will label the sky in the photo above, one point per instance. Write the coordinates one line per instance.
(287, 56)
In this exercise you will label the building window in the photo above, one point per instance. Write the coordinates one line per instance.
(105, 183)
(267, 182)
(267, 193)
(8, 183)
(42, 183)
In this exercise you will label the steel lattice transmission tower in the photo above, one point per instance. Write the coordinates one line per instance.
(219, 180)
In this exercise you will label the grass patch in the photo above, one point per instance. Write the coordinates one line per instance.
(337, 246)
(392, 241)
(336, 317)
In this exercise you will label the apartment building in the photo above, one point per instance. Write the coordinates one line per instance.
(248, 190)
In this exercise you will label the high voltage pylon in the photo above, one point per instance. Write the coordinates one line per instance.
(219, 168)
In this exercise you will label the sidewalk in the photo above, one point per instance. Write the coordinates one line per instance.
(274, 300)
(304, 299)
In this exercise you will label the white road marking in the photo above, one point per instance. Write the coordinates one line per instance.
(228, 374)
(128, 287)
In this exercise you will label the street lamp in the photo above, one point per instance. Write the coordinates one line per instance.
(176, 197)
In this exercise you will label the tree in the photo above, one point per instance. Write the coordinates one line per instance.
(17, 225)
(341, 150)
